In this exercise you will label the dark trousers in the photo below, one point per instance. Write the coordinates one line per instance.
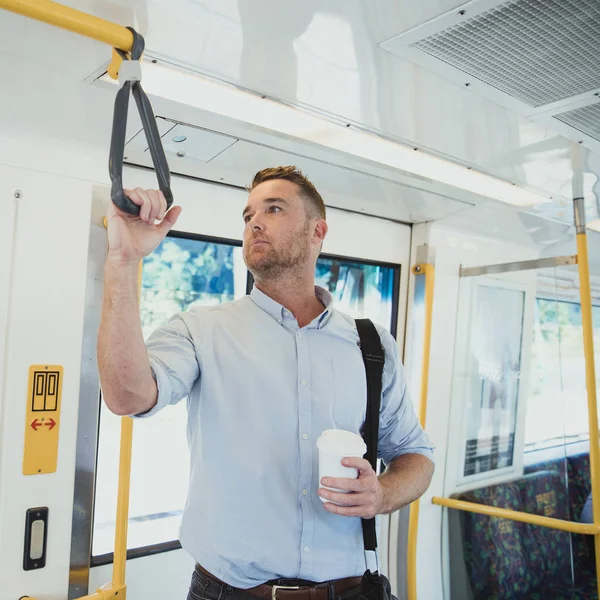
(203, 587)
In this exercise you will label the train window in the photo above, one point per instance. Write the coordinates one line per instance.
(361, 288)
(557, 405)
(183, 271)
(493, 375)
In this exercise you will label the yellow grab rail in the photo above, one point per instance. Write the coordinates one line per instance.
(76, 21)
(515, 515)
(73, 20)
(428, 272)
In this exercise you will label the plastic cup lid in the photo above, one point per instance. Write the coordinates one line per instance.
(344, 443)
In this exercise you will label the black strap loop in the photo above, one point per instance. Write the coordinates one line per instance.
(374, 359)
(117, 142)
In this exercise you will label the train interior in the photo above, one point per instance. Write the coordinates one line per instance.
(441, 133)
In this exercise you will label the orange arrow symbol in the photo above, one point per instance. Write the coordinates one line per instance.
(50, 424)
(35, 425)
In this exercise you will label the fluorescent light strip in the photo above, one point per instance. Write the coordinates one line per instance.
(208, 94)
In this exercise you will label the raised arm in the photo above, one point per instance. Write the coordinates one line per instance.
(128, 386)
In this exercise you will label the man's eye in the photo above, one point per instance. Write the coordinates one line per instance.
(247, 218)
(274, 208)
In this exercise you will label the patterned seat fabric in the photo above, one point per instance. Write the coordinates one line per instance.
(579, 489)
(507, 560)
(545, 493)
(495, 556)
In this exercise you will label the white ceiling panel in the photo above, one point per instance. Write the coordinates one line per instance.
(194, 143)
(342, 187)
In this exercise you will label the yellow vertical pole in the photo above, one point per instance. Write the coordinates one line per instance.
(428, 272)
(590, 380)
(588, 340)
(120, 556)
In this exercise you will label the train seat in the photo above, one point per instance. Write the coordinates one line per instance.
(508, 560)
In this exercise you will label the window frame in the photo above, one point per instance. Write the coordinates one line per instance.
(467, 295)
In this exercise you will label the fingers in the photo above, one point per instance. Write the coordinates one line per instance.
(363, 494)
(152, 204)
(363, 465)
(170, 219)
(158, 205)
(162, 203)
(343, 483)
(149, 206)
(352, 499)
(139, 197)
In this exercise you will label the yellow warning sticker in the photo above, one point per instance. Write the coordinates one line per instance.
(43, 419)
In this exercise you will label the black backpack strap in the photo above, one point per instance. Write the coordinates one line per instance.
(374, 359)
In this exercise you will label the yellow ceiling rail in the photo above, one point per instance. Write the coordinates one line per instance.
(76, 21)
(515, 515)
(73, 20)
(425, 276)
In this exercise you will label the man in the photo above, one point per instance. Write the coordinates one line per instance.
(264, 376)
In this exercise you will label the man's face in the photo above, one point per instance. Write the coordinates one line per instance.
(279, 235)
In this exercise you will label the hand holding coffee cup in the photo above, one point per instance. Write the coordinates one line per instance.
(334, 445)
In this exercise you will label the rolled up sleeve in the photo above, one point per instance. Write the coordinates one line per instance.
(399, 429)
(173, 362)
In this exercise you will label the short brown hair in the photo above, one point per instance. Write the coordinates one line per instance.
(295, 175)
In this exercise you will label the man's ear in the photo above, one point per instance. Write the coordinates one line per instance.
(320, 231)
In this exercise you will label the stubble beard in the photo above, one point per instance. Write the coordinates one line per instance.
(280, 262)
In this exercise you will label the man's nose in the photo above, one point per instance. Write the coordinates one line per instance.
(255, 224)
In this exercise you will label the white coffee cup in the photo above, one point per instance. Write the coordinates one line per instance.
(334, 445)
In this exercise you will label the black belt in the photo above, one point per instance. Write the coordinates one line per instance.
(294, 589)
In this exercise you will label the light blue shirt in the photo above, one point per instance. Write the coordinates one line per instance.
(260, 392)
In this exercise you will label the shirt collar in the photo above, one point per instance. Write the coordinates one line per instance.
(278, 312)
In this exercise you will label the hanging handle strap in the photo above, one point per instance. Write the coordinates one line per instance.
(130, 74)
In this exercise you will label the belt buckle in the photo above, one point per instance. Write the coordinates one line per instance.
(282, 587)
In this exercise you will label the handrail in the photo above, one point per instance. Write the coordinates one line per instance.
(590, 368)
(76, 21)
(73, 20)
(428, 272)
(515, 515)
(120, 555)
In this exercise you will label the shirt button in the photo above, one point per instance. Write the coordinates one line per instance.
(280, 321)
(306, 549)
(305, 436)
(300, 335)
(305, 492)
(304, 382)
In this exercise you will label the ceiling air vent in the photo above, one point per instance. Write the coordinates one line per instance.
(538, 51)
(536, 57)
(586, 120)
